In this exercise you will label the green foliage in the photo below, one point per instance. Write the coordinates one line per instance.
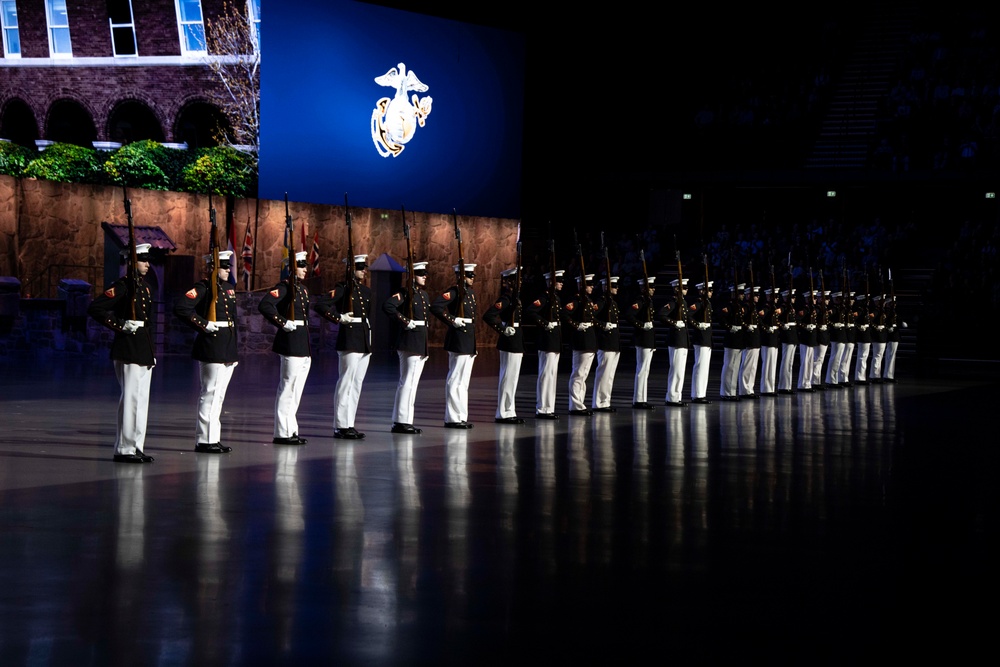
(221, 170)
(14, 158)
(141, 164)
(67, 163)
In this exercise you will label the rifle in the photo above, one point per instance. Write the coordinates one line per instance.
(645, 283)
(706, 303)
(607, 271)
(292, 275)
(752, 305)
(516, 296)
(553, 296)
(881, 303)
(461, 267)
(213, 250)
(892, 300)
(774, 300)
(351, 280)
(812, 297)
(409, 266)
(132, 269)
(681, 304)
(823, 318)
(588, 313)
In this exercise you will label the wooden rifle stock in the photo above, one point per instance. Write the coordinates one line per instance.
(645, 282)
(409, 266)
(588, 312)
(290, 248)
(213, 250)
(706, 303)
(461, 266)
(553, 314)
(132, 270)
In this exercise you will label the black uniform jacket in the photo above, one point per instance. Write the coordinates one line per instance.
(608, 338)
(114, 307)
(502, 314)
(445, 307)
(277, 308)
(351, 336)
(674, 315)
(192, 308)
(541, 311)
(398, 309)
(637, 314)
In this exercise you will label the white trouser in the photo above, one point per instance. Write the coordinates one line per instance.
(510, 372)
(730, 371)
(889, 363)
(675, 374)
(133, 407)
(806, 356)
(861, 363)
(819, 354)
(353, 367)
(545, 388)
(845, 363)
(456, 387)
(643, 360)
(787, 366)
(699, 372)
(604, 377)
(582, 361)
(768, 368)
(411, 365)
(214, 383)
(836, 359)
(878, 350)
(291, 383)
(748, 369)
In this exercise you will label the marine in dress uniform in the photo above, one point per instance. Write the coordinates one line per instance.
(822, 337)
(578, 317)
(607, 318)
(789, 337)
(675, 315)
(349, 305)
(215, 348)
(700, 320)
(410, 345)
(851, 328)
(770, 340)
(126, 307)
(880, 337)
(807, 320)
(288, 310)
(641, 316)
(460, 342)
(863, 324)
(750, 354)
(504, 317)
(838, 340)
(892, 340)
(544, 313)
(733, 316)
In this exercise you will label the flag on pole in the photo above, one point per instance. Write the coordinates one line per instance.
(247, 257)
(314, 255)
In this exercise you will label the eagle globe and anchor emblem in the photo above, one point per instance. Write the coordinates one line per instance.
(395, 120)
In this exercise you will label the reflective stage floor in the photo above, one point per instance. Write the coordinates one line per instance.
(828, 528)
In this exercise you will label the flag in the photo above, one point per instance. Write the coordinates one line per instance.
(247, 257)
(314, 255)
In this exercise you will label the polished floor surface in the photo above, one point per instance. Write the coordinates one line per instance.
(837, 527)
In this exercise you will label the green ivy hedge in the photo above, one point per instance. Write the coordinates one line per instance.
(143, 164)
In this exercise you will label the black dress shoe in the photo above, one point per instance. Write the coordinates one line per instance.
(509, 420)
(753, 396)
(459, 425)
(701, 401)
(546, 415)
(731, 399)
(581, 413)
(291, 440)
(301, 440)
(675, 404)
(643, 405)
(767, 393)
(348, 434)
(785, 392)
(861, 382)
(606, 409)
(405, 428)
(212, 448)
(138, 457)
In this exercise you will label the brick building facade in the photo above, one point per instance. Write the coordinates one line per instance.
(86, 93)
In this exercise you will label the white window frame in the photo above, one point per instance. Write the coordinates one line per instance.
(130, 25)
(10, 29)
(253, 16)
(53, 26)
(182, 25)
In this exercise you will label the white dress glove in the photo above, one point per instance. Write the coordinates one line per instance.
(131, 326)
(509, 331)
(549, 326)
(289, 326)
(347, 318)
(411, 325)
(680, 324)
(647, 325)
(211, 327)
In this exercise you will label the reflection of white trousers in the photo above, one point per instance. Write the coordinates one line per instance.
(878, 350)
(291, 382)
(836, 359)
(787, 366)
(411, 365)
(133, 407)
(604, 377)
(545, 388)
(861, 363)
(456, 387)
(806, 355)
(845, 363)
(730, 371)
(675, 374)
(819, 354)
(748, 369)
(699, 372)
(768, 368)
(643, 360)
(353, 367)
(889, 370)
(214, 383)
(582, 361)
(510, 372)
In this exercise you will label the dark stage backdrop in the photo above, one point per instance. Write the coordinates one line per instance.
(324, 133)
